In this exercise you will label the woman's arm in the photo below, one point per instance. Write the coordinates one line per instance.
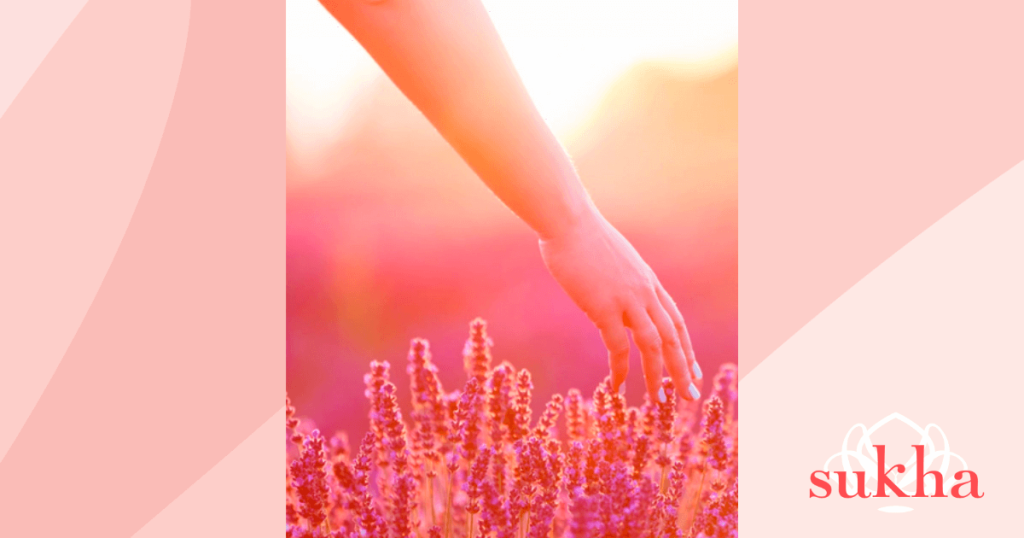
(447, 58)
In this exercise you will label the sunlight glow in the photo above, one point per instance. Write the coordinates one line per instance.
(566, 51)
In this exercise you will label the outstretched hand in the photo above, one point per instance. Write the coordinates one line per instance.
(611, 283)
(452, 65)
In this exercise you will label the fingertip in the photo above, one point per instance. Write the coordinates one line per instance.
(681, 383)
(617, 342)
(653, 388)
(619, 365)
(678, 371)
(618, 380)
(654, 394)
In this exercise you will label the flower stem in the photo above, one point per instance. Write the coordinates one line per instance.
(448, 507)
(696, 501)
(664, 473)
(430, 495)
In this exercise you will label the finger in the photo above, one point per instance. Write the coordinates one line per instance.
(615, 338)
(672, 352)
(648, 341)
(684, 335)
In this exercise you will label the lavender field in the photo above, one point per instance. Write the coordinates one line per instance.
(473, 462)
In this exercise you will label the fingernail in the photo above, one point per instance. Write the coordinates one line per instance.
(661, 394)
(696, 371)
(622, 388)
(694, 393)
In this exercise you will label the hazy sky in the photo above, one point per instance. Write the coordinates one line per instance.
(567, 52)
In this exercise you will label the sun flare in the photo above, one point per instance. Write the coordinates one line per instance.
(567, 53)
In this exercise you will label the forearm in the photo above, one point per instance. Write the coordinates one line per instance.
(447, 58)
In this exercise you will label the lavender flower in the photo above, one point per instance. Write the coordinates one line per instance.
(402, 504)
(375, 381)
(309, 478)
(519, 425)
(674, 496)
(720, 516)
(477, 477)
(610, 470)
(494, 515)
(465, 428)
(499, 406)
(429, 412)
(477, 352)
(641, 455)
(725, 383)
(575, 470)
(362, 501)
(574, 415)
(543, 508)
(290, 422)
(550, 415)
(499, 400)
(665, 412)
(714, 434)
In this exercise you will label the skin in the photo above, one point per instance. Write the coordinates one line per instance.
(448, 59)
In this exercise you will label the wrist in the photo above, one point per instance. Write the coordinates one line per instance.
(577, 219)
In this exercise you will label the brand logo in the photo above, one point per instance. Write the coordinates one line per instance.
(865, 472)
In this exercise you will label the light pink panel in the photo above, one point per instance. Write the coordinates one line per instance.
(77, 147)
(142, 168)
(861, 123)
(28, 31)
(213, 505)
(933, 334)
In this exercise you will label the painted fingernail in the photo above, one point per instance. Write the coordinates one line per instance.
(694, 393)
(661, 395)
(622, 388)
(697, 374)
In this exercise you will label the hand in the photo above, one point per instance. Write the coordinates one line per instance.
(612, 284)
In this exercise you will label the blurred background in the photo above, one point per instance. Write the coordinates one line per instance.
(391, 236)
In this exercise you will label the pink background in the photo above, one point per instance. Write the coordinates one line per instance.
(142, 219)
(145, 306)
(875, 277)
